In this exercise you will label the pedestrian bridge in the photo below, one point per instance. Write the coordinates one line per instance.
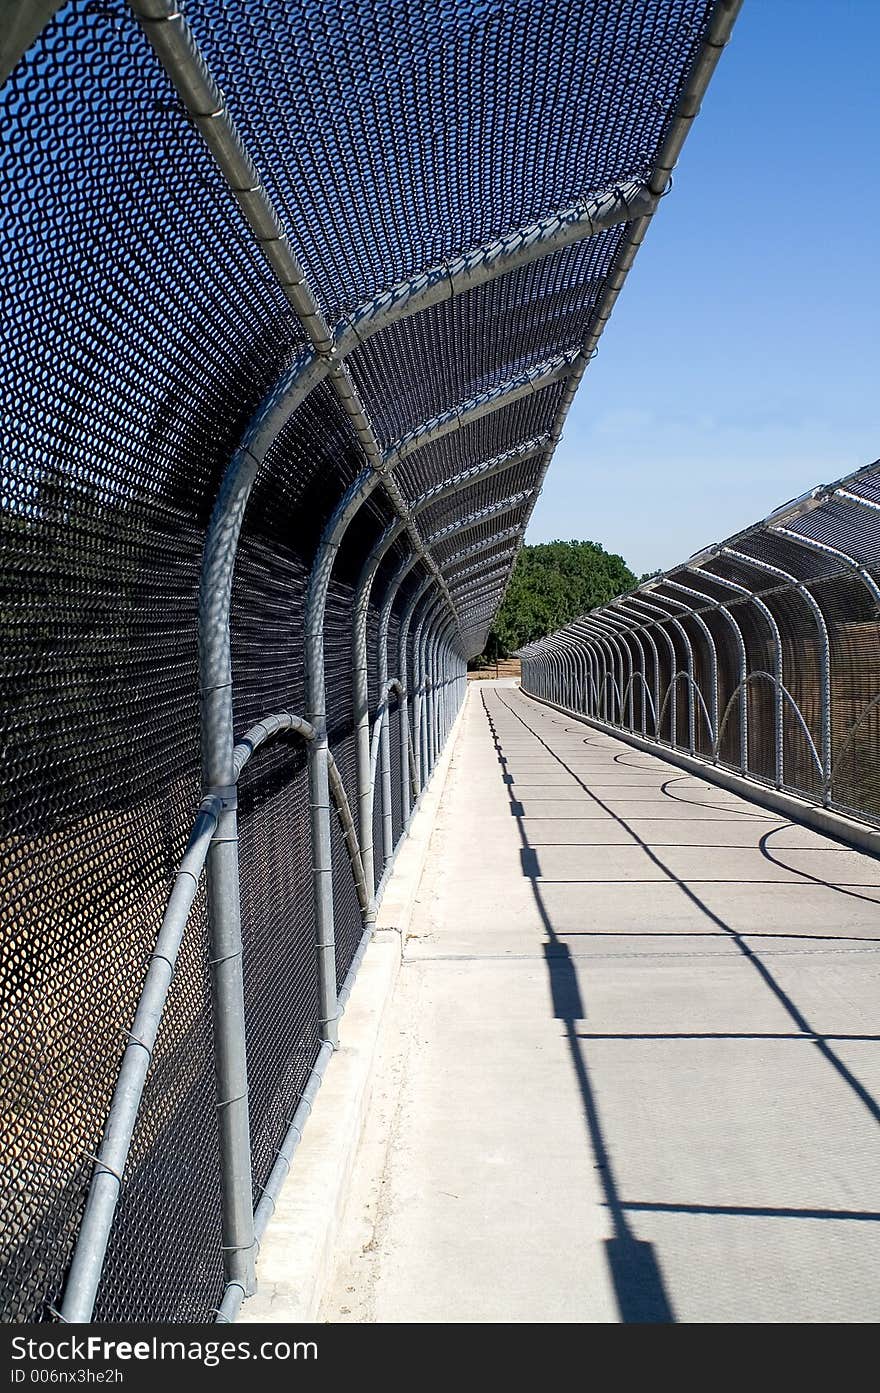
(300, 298)
(643, 1084)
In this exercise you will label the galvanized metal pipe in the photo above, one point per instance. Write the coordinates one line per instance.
(567, 648)
(710, 641)
(431, 706)
(319, 775)
(717, 35)
(625, 607)
(420, 684)
(233, 1296)
(280, 723)
(604, 635)
(85, 1272)
(429, 667)
(94, 1233)
(563, 672)
(713, 659)
(629, 633)
(654, 606)
(637, 623)
(670, 696)
(824, 549)
(382, 641)
(425, 685)
(361, 692)
(444, 664)
(824, 645)
(778, 671)
(730, 618)
(349, 833)
(404, 666)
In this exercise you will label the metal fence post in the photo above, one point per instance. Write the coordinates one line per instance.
(319, 810)
(384, 717)
(435, 683)
(778, 673)
(580, 654)
(361, 693)
(560, 670)
(626, 608)
(403, 668)
(319, 750)
(654, 604)
(824, 650)
(612, 639)
(607, 648)
(388, 599)
(629, 631)
(638, 622)
(728, 616)
(421, 679)
(409, 660)
(712, 650)
(224, 907)
(561, 656)
(447, 669)
(433, 693)
(421, 698)
(663, 618)
(592, 705)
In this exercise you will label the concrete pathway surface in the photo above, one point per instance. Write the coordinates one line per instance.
(633, 1069)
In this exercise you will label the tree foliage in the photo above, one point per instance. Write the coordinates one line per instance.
(551, 584)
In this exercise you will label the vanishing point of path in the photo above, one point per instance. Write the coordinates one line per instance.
(633, 1068)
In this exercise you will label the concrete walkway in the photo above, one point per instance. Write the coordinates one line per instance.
(633, 1067)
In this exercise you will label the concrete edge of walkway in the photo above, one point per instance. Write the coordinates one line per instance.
(297, 1251)
(859, 835)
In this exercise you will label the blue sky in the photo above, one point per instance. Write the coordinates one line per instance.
(740, 366)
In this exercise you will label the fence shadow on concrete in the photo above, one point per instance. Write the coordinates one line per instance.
(634, 1265)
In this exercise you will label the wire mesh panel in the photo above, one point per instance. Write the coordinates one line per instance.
(172, 1186)
(404, 116)
(281, 986)
(346, 911)
(373, 708)
(855, 692)
(134, 335)
(791, 609)
(144, 331)
(439, 357)
(479, 440)
(394, 730)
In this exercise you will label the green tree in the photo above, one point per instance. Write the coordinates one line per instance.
(551, 584)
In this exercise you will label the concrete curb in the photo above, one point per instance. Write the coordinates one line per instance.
(859, 835)
(296, 1255)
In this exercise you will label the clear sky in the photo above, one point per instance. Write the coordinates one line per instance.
(741, 365)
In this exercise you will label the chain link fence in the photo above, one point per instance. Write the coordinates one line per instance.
(297, 298)
(760, 654)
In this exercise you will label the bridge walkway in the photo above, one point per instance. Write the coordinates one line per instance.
(633, 1067)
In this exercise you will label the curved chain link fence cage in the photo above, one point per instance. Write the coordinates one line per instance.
(760, 654)
(297, 298)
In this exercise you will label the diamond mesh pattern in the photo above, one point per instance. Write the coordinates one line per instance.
(394, 133)
(828, 744)
(142, 330)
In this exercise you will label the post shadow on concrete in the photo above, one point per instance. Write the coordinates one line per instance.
(803, 1027)
(633, 1264)
(638, 1283)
